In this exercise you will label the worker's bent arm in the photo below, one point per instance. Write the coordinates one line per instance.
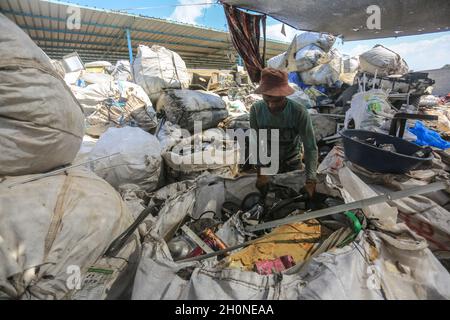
(309, 145)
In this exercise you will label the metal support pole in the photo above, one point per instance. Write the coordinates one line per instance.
(130, 47)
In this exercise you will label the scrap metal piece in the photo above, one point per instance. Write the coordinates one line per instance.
(352, 205)
(196, 239)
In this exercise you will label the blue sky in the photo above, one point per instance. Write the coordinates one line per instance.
(422, 52)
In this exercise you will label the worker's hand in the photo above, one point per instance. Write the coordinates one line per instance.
(310, 187)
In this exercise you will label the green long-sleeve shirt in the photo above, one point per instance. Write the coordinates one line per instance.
(295, 127)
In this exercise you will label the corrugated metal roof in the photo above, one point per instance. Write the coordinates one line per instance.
(102, 34)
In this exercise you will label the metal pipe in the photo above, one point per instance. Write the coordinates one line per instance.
(352, 205)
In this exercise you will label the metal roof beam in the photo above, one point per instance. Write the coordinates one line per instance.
(135, 39)
(104, 25)
(106, 44)
(111, 26)
(75, 48)
(123, 55)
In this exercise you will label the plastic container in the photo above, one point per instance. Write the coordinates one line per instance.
(379, 160)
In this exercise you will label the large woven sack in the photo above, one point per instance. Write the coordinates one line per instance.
(117, 103)
(323, 40)
(382, 61)
(158, 68)
(41, 122)
(324, 74)
(310, 57)
(135, 158)
(185, 107)
(54, 229)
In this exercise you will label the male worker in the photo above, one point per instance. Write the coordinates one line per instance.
(292, 120)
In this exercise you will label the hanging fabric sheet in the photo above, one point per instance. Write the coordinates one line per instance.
(245, 34)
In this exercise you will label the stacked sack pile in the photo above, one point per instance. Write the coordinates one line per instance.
(46, 246)
(313, 57)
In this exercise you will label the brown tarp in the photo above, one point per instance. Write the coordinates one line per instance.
(348, 18)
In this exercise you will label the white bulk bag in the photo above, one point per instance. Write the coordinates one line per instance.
(184, 107)
(122, 71)
(278, 62)
(138, 160)
(94, 77)
(400, 265)
(214, 151)
(310, 57)
(41, 123)
(382, 61)
(157, 68)
(118, 103)
(350, 67)
(369, 109)
(94, 64)
(56, 228)
(301, 97)
(323, 40)
(325, 74)
(350, 64)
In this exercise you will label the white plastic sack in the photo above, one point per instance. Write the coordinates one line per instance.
(350, 67)
(382, 61)
(301, 97)
(350, 64)
(397, 273)
(310, 57)
(57, 226)
(158, 68)
(368, 109)
(380, 265)
(117, 103)
(91, 96)
(122, 71)
(429, 101)
(41, 123)
(325, 74)
(138, 160)
(323, 40)
(184, 107)
(214, 150)
(278, 62)
(93, 77)
(72, 77)
(94, 64)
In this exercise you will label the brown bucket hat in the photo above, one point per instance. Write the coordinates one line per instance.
(275, 83)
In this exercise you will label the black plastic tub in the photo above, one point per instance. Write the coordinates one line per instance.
(379, 160)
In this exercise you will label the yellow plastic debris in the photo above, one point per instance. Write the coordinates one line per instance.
(297, 240)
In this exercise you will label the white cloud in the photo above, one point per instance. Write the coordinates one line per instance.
(425, 54)
(356, 51)
(190, 10)
(274, 32)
